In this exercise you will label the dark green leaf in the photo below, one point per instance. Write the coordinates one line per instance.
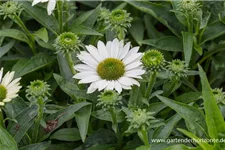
(188, 46)
(82, 117)
(167, 43)
(37, 146)
(38, 61)
(15, 34)
(6, 48)
(66, 134)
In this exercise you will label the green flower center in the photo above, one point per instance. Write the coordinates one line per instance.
(111, 69)
(69, 38)
(108, 94)
(177, 66)
(118, 16)
(152, 58)
(3, 93)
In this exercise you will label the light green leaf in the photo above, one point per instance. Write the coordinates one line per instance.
(15, 34)
(188, 46)
(66, 134)
(6, 48)
(137, 30)
(80, 29)
(191, 114)
(182, 147)
(165, 131)
(167, 43)
(26, 66)
(7, 140)
(42, 34)
(214, 119)
(203, 144)
(82, 117)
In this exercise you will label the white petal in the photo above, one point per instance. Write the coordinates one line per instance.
(108, 47)
(134, 50)
(126, 87)
(83, 67)
(110, 85)
(87, 59)
(131, 58)
(94, 52)
(51, 6)
(134, 72)
(115, 48)
(128, 81)
(7, 78)
(89, 79)
(2, 103)
(102, 50)
(35, 2)
(13, 83)
(1, 73)
(102, 84)
(84, 74)
(92, 88)
(118, 87)
(7, 100)
(133, 65)
(124, 51)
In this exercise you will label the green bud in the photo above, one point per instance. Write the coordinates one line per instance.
(219, 95)
(10, 9)
(177, 68)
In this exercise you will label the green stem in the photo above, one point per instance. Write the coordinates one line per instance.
(38, 120)
(1, 118)
(66, 14)
(70, 63)
(60, 14)
(143, 134)
(151, 83)
(24, 28)
(115, 127)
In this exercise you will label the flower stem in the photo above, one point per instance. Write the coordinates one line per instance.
(115, 127)
(60, 14)
(143, 134)
(23, 27)
(38, 120)
(70, 63)
(151, 83)
(1, 118)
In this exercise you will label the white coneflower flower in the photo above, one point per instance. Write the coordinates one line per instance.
(8, 87)
(50, 7)
(110, 66)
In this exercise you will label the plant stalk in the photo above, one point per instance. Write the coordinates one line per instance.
(152, 79)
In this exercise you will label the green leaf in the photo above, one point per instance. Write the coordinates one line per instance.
(66, 134)
(165, 131)
(167, 43)
(137, 30)
(82, 117)
(203, 144)
(24, 121)
(161, 13)
(191, 114)
(64, 67)
(105, 115)
(37, 146)
(15, 34)
(143, 147)
(64, 115)
(71, 89)
(7, 140)
(156, 107)
(38, 61)
(80, 29)
(189, 97)
(42, 34)
(214, 119)
(213, 31)
(188, 46)
(40, 14)
(6, 48)
(182, 147)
